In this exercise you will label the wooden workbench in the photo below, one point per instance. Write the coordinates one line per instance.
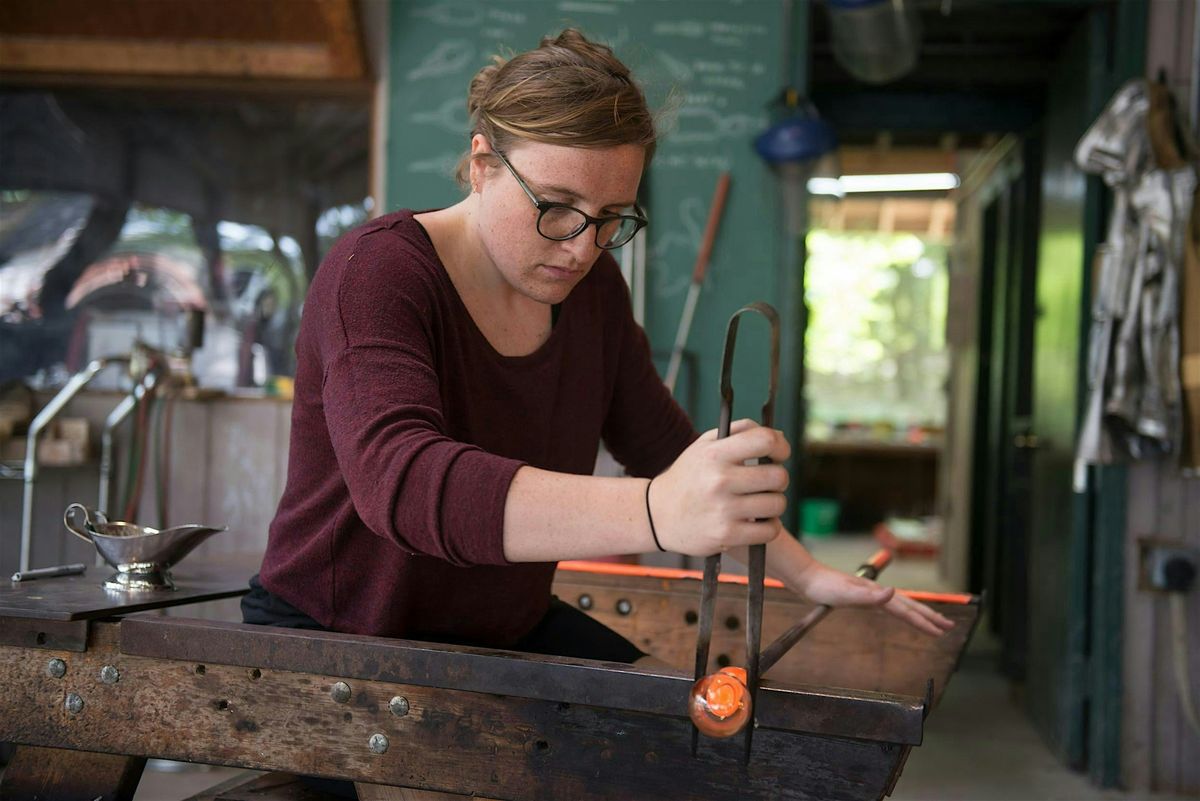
(95, 686)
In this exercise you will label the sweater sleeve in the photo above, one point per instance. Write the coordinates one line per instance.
(645, 429)
(408, 479)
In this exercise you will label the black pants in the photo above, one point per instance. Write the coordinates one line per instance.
(563, 631)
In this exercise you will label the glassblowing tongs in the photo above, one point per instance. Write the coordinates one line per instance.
(724, 709)
(722, 704)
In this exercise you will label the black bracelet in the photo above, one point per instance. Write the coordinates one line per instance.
(650, 517)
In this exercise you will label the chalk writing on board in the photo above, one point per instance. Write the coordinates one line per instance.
(689, 29)
(455, 15)
(447, 58)
(443, 164)
(506, 16)
(499, 34)
(704, 125)
(711, 99)
(678, 70)
(724, 82)
(723, 34)
(468, 15)
(585, 7)
(693, 161)
(684, 234)
(450, 115)
(737, 28)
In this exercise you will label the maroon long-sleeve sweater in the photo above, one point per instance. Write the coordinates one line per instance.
(407, 428)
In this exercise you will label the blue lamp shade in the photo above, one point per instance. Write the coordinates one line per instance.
(797, 138)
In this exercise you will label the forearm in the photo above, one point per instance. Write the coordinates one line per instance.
(551, 516)
(708, 500)
(787, 559)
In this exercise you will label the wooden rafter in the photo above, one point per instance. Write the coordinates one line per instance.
(271, 39)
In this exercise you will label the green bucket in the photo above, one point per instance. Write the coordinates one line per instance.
(819, 516)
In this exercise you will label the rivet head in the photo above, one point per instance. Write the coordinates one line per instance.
(399, 706)
(109, 674)
(56, 668)
(340, 692)
(585, 601)
(378, 743)
(624, 607)
(74, 703)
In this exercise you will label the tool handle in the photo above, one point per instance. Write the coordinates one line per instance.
(710, 228)
(874, 566)
(49, 572)
(775, 651)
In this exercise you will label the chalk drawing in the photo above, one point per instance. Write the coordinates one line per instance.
(689, 29)
(677, 69)
(685, 236)
(738, 28)
(580, 7)
(724, 82)
(451, 115)
(701, 124)
(506, 17)
(711, 99)
(499, 34)
(694, 161)
(452, 14)
(447, 58)
(437, 165)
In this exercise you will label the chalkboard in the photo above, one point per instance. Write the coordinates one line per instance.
(716, 65)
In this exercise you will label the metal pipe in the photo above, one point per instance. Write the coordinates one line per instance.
(73, 569)
(40, 422)
(117, 416)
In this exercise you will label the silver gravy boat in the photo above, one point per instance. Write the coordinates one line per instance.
(142, 556)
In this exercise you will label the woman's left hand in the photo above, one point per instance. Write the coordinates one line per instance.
(821, 584)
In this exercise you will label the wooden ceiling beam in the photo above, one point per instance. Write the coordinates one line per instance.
(133, 57)
(344, 35)
(321, 40)
(857, 160)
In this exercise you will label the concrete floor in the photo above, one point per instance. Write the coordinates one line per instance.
(979, 744)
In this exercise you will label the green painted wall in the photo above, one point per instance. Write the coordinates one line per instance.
(1077, 545)
(715, 65)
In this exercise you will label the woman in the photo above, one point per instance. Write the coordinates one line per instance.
(457, 369)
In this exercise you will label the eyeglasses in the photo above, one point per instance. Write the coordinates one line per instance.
(559, 222)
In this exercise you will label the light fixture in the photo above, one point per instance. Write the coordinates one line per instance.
(902, 182)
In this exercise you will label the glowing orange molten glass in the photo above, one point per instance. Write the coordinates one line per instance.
(720, 704)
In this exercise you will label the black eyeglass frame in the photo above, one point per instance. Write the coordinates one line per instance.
(544, 206)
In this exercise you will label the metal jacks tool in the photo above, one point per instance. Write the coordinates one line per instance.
(734, 713)
(722, 704)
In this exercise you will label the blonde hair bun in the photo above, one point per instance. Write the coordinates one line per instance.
(567, 91)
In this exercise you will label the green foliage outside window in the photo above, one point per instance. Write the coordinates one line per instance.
(875, 345)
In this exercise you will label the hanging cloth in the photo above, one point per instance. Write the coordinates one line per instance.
(1134, 408)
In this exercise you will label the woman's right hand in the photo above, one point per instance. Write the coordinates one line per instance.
(710, 500)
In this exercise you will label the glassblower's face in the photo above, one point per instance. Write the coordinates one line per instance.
(597, 181)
